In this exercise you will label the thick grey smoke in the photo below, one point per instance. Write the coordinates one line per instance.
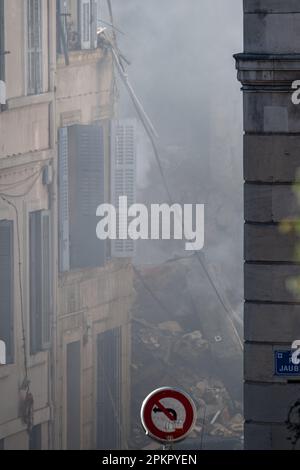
(183, 71)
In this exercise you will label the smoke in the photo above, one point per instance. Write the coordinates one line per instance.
(183, 71)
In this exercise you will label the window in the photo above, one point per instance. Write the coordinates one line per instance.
(73, 396)
(40, 280)
(34, 47)
(2, 57)
(7, 288)
(109, 379)
(76, 25)
(35, 438)
(1, 444)
(81, 191)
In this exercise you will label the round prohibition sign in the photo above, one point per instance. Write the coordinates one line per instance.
(168, 415)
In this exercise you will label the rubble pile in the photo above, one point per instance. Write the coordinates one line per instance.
(171, 353)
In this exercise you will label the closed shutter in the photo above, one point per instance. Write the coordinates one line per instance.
(6, 288)
(34, 47)
(94, 24)
(73, 396)
(40, 278)
(63, 181)
(86, 193)
(35, 282)
(88, 23)
(2, 56)
(109, 379)
(85, 23)
(46, 278)
(123, 175)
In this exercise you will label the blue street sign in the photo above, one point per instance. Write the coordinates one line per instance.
(284, 365)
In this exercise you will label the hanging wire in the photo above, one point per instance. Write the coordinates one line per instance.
(16, 196)
(19, 182)
(26, 381)
(149, 128)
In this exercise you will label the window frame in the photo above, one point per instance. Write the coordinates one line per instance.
(40, 295)
(10, 342)
(34, 52)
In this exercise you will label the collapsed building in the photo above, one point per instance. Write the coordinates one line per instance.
(182, 338)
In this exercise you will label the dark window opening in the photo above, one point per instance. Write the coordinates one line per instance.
(1, 444)
(76, 25)
(73, 396)
(7, 288)
(109, 416)
(35, 438)
(40, 280)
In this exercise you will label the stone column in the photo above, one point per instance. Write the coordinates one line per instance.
(266, 69)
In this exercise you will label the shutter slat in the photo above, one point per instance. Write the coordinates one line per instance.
(123, 175)
(40, 280)
(109, 380)
(85, 22)
(64, 232)
(46, 279)
(86, 145)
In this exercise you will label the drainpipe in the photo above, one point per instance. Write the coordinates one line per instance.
(54, 212)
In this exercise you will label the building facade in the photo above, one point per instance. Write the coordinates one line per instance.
(65, 295)
(266, 69)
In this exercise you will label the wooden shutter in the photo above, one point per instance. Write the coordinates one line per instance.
(46, 280)
(73, 396)
(109, 379)
(2, 56)
(2, 41)
(63, 182)
(85, 23)
(34, 47)
(123, 175)
(35, 282)
(6, 288)
(94, 24)
(86, 193)
(40, 276)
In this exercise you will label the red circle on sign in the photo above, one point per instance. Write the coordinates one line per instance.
(154, 400)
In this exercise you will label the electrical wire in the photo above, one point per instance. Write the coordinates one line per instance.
(149, 290)
(17, 196)
(149, 128)
(215, 289)
(17, 183)
(26, 381)
(111, 16)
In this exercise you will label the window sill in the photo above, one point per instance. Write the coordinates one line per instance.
(81, 56)
(23, 101)
(6, 371)
(39, 359)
